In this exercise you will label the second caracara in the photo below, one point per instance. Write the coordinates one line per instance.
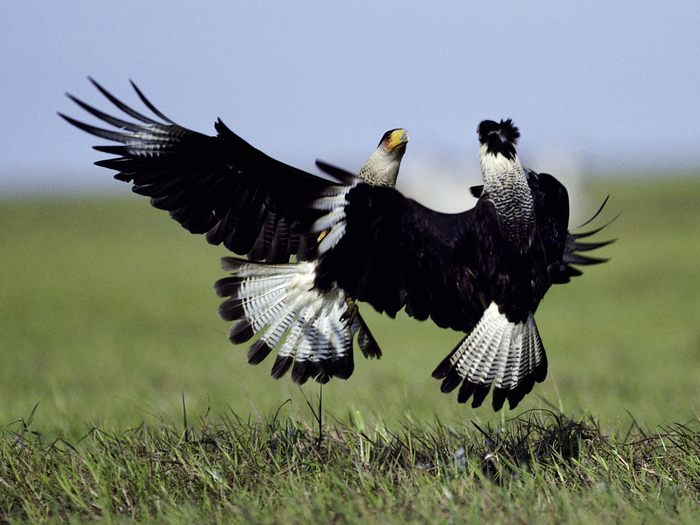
(483, 271)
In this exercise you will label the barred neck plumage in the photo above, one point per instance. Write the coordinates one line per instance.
(382, 167)
(505, 185)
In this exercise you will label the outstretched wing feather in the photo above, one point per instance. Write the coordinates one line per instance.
(199, 178)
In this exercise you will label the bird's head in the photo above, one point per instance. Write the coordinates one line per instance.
(382, 167)
(499, 137)
(394, 141)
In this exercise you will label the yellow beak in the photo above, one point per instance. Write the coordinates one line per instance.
(397, 138)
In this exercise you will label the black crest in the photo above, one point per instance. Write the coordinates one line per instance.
(499, 137)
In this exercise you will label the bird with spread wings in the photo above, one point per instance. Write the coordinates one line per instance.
(355, 238)
(234, 194)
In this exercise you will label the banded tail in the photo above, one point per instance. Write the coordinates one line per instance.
(508, 355)
(313, 330)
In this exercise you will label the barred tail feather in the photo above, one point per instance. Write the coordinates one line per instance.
(510, 356)
(313, 331)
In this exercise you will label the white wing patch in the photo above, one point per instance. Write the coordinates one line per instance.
(331, 226)
(149, 141)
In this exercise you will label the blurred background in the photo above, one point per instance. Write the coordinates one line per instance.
(106, 311)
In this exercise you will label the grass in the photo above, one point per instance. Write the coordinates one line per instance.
(538, 468)
(108, 321)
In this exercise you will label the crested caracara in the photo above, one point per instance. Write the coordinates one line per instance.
(483, 271)
(256, 206)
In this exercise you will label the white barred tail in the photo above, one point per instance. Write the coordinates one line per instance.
(497, 352)
(313, 330)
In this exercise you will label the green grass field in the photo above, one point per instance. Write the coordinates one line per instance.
(109, 320)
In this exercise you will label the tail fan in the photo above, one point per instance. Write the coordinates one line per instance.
(510, 356)
(312, 330)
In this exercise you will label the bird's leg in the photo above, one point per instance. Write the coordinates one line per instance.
(322, 235)
(350, 312)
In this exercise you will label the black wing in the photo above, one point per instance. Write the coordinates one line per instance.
(396, 253)
(219, 185)
(554, 203)
(552, 219)
(574, 246)
(334, 171)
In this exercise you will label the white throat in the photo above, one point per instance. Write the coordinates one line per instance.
(505, 185)
(499, 171)
(381, 168)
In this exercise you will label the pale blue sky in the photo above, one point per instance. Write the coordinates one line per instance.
(614, 83)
